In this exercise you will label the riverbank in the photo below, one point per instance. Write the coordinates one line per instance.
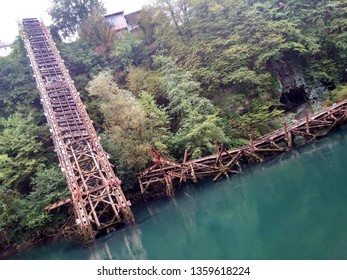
(226, 162)
(289, 208)
(136, 198)
(333, 117)
(19, 248)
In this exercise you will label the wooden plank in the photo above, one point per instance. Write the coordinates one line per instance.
(225, 161)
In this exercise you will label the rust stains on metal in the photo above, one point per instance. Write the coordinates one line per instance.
(96, 194)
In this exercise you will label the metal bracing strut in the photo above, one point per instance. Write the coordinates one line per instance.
(96, 194)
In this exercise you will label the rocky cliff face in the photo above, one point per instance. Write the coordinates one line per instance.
(290, 70)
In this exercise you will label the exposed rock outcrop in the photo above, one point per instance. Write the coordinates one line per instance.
(294, 87)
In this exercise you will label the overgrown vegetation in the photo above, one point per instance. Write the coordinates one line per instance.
(194, 72)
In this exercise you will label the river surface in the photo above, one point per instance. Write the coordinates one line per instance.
(294, 207)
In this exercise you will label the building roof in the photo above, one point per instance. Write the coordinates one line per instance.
(122, 12)
(132, 13)
(114, 14)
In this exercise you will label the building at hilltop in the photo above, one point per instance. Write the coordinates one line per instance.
(123, 22)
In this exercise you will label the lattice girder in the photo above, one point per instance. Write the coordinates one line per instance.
(97, 197)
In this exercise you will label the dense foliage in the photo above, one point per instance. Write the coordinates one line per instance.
(68, 15)
(193, 73)
(30, 178)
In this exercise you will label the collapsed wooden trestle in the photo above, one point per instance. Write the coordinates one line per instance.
(224, 162)
(96, 195)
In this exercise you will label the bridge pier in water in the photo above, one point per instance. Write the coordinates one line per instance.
(96, 194)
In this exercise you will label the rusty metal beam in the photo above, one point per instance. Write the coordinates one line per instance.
(96, 194)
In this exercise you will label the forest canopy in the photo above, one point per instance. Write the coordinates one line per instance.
(192, 72)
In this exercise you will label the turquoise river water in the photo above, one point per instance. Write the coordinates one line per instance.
(294, 207)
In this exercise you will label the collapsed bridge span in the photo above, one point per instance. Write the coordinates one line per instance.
(96, 194)
(166, 174)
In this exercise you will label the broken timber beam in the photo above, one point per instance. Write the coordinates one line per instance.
(259, 150)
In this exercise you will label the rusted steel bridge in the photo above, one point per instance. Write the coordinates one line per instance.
(96, 195)
(166, 173)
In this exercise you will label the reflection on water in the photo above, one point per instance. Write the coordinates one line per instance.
(119, 245)
(292, 208)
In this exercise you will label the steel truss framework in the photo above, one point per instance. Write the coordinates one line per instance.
(96, 195)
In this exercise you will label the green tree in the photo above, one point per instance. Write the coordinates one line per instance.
(131, 126)
(127, 51)
(23, 218)
(155, 124)
(140, 79)
(227, 44)
(181, 90)
(199, 133)
(82, 60)
(20, 151)
(18, 91)
(217, 67)
(26, 151)
(98, 33)
(262, 119)
(28, 181)
(197, 125)
(48, 186)
(11, 219)
(68, 15)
